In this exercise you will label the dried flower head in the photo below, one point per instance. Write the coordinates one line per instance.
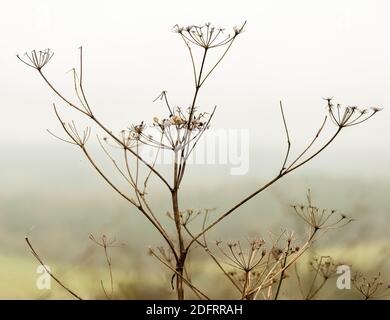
(105, 242)
(371, 288)
(325, 266)
(207, 36)
(244, 258)
(349, 116)
(317, 218)
(137, 130)
(37, 59)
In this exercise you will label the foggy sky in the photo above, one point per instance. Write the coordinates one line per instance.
(294, 51)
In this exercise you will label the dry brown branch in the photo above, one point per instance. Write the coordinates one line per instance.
(178, 133)
(35, 254)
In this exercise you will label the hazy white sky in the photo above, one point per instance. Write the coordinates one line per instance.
(298, 51)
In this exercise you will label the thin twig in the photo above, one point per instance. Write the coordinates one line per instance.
(35, 254)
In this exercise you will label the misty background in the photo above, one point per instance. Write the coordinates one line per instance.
(298, 52)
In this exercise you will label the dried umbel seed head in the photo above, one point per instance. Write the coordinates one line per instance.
(256, 242)
(137, 130)
(36, 59)
(177, 120)
(243, 256)
(104, 241)
(207, 36)
(325, 266)
(320, 219)
(372, 288)
(349, 116)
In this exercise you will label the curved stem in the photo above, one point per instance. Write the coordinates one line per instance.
(268, 184)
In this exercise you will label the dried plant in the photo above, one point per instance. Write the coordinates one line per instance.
(178, 132)
(324, 268)
(106, 243)
(371, 288)
(258, 265)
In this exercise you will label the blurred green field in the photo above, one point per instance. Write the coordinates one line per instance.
(70, 202)
(18, 277)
